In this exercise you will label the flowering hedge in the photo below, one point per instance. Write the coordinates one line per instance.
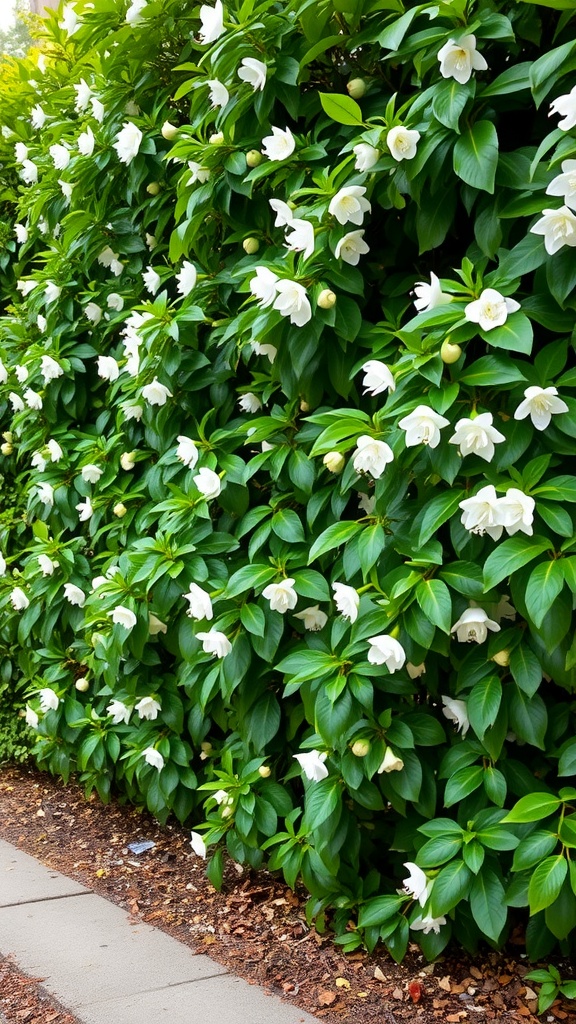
(287, 388)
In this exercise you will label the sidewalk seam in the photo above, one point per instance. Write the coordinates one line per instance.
(160, 988)
(47, 899)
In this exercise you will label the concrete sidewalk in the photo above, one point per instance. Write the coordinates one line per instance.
(104, 968)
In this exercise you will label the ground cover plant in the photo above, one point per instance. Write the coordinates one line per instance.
(288, 406)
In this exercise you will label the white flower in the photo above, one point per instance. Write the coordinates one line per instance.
(156, 393)
(108, 368)
(423, 427)
(371, 456)
(21, 372)
(132, 412)
(186, 279)
(55, 450)
(280, 145)
(219, 94)
(566, 106)
(83, 94)
(346, 600)
(46, 494)
(428, 296)
(264, 350)
(126, 618)
(456, 711)
(46, 565)
(480, 514)
(250, 402)
(16, 402)
(60, 156)
(29, 172)
(107, 257)
(70, 20)
(187, 451)
(263, 286)
(86, 142)
(428, 924)
(128, 461)
(41, 322)
(313, 618)
(200, 605)
(490, 310)
(282, 596)
(134, 12)
(19, 600)
(378, 378)
(214, 642)
(85, 509)
(151, 279)
(21, 232)
(155, 625)
(351, 247)
(74, 594)
(199, 173)
(366, 157)
(31, 718)
(196, 842)
(20, 152)
(477, 436)
(284, 213)
(254, 72)
(153, 757)
(93, 313)
(25, 287)
(415, 671)
(91, 473)
(540, 404)
(115, 302)
(390, 762)
(565, 184)
(119, 711)
(97, 109)
(52, 292)
(212, 22)
(516, 511)
(417, 885)
(4, 372)
(459, 59)
(128, 142)
(148, 708)
(402, 142)
(32, 399)
(208, 483)
(349, 205)
(385, 650)
(38, 118)
(50, 369)
(312, 764)
(558, 227)
(292, 301)
(49, 700)
(3, 565)
(300, 237)
(473, 626)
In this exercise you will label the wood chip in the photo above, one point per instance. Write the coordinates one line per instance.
(342, 983)
(397, 993)
(444, 983)
(326, 998)
(379, 975)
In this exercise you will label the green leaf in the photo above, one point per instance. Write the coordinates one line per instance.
(567, 762)
(543, 74)
(476, 156)
(484, 704)
(434, 599)
(492, 370)
(322, 798)
(262, 721)
(559, 488)
(249, 577)
(332, 537)
(533, 849)
(534, 807)
(546, 882)
(449, 99)
(510, 555)
(452, 884)
(545, 583)
(515, 78)
(252, 618)
(391, 37)
(528, 717)
(516, 335)
(462, 783)
(287, 525)
(436, 512)
(464, 577)
(438, 850)
(378, 910)
(526, 669)
(340, 108)
(487, 903)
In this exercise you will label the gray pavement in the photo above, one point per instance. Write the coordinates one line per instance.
(103, 967)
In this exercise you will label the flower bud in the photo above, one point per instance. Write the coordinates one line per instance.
(326, 299)
(169, 131)
(450, 353)
(205, 751)
(304, 405)
(216, 139)
(502, 657)
(334, 462)
(120, 510)
(360, 748)
(264, 771)
(97, 638)
(128, 460)
(390, 763)
(8, 436)
(6, 448)
(153, 188)
(356, 88)
(82, 684)
(254, 158)
(250, 246)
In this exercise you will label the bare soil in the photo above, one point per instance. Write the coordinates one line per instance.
(255, 926)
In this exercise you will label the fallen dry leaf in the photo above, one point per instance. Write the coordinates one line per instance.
(378, 974)
(415, 990)
(444, 983)
(397, 993)
(326, 998)
(342, 983)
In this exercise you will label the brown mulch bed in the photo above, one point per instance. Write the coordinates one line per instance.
(24, 1001)
(256, 926)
